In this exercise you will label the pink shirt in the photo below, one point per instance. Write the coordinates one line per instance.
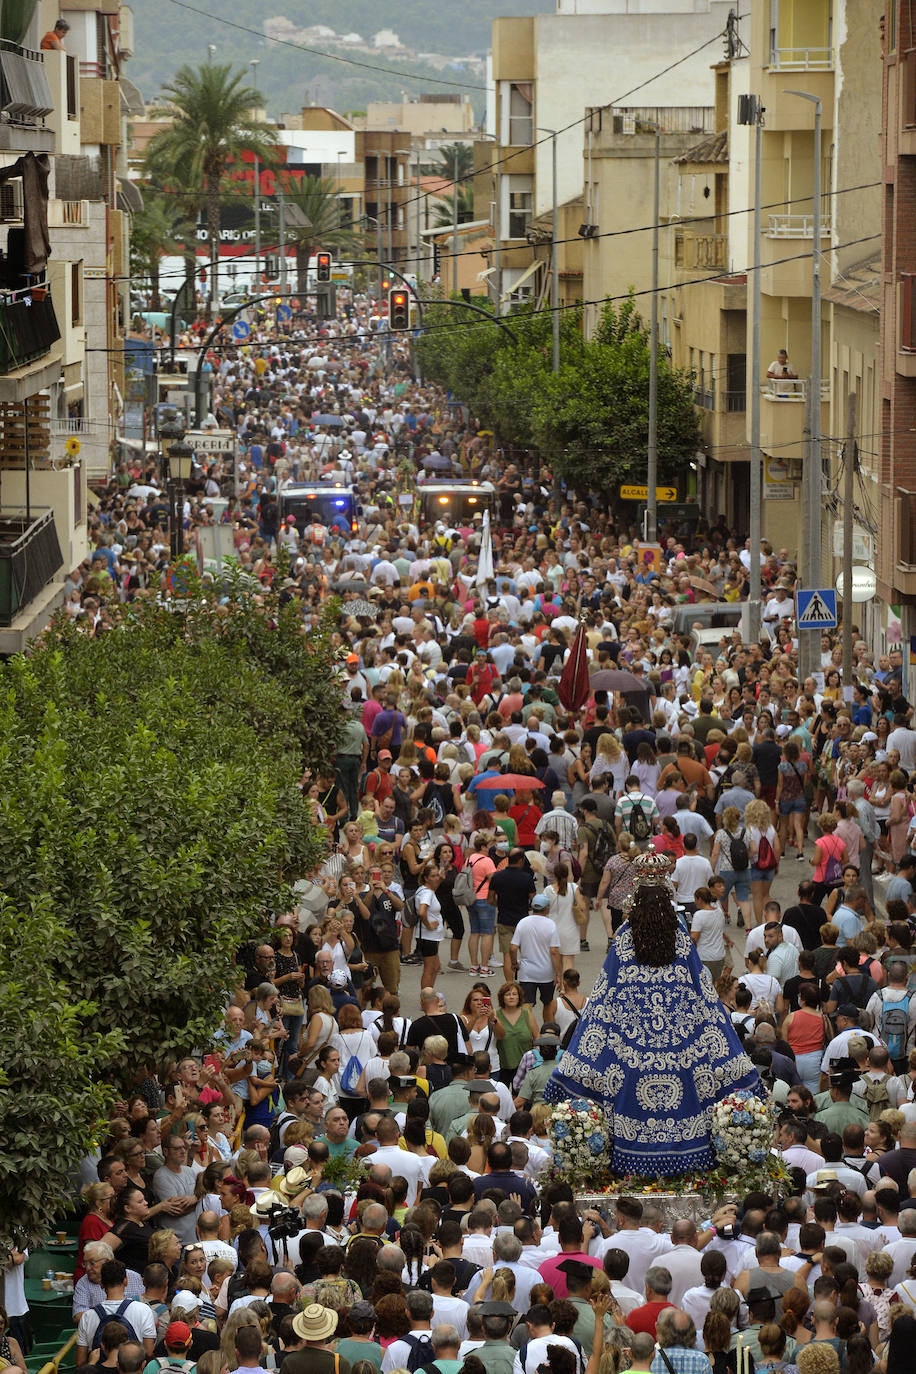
(551, 1272)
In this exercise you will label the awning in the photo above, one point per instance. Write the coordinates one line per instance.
(528, 272)
(129, 196)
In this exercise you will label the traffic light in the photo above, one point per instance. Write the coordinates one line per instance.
(398, 309)
(386, 283)
(323, 267)
(437, 259)
(326, 301)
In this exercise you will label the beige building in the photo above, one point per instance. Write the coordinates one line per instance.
(545, 76)
(61, 370)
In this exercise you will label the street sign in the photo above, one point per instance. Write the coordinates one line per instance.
(211, 440)
(816, 610)
(864, 584)
(681, 510)
(241, 330)
(284, 314)
(862, 543)
(642, 493)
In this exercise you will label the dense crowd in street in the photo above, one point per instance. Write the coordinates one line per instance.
(481, 837)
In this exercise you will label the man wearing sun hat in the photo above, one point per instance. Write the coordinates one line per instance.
(314, 1327)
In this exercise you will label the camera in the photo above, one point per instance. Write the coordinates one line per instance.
(728, 1232)
(285, 1222)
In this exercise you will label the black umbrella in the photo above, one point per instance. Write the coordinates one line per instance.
(359, 607)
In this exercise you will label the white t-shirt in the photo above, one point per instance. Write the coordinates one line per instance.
(535, 936)
(711, 925)
(427, 898)
(761, 986)
(136, 1314)
(690, 872)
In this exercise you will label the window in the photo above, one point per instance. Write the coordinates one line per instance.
(521, 206)
(78, 514)
(890, 21)
(736, 382)
(521, 114)
(76, 293)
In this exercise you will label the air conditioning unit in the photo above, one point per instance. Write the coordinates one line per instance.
(11, 202)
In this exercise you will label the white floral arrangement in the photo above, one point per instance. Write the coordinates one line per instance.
(580, 1138)
(742, 1132)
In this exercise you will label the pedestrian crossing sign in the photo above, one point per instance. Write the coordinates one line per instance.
(816, 610)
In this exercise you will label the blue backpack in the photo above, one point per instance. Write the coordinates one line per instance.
(104, 1316)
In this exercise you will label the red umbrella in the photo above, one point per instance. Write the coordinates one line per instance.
(508, 782)
(574, 688)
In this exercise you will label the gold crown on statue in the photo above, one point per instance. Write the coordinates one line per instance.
(653, 869)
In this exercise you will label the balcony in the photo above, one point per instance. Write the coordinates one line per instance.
(29, 558)
(695, 252)
(801, 59)
(68, 214)
(28, 332)
(25, 99)
(795, 227)
(783, 412)
(735, 402)
(705, 397)
(906, 325)
(905, 523)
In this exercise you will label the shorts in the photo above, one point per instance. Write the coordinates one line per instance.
(454, 923)
(428, 948)
(738, 881)
(798, 805)
(481, 917)
(504, 938)
(530, 992)
(589, 889)
(761, 875)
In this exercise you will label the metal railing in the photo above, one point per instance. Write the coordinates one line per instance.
(791, 389)
(638, 119)
(801, 59)
(705, 398)
(28, 328)
(735, 401)
(29, 557)
(77, 424)
(796, 227)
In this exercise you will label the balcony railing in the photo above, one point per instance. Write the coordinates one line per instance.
(693, 251)
(796, 227)
(68, 214)
(28, 328)
(77, 424)
(704, 397)
(25, 93)
(29, 557)
(791, 389)
(735, 401)
(639, 119)
(801, 59)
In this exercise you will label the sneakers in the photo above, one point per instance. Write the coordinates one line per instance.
(800, 857)
(584, 947)
(483, 972)
(411, 958)
(458, 966)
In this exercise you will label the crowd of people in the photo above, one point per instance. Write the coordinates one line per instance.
(359, 1176)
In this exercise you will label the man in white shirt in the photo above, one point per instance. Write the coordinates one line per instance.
(690, 872)
(903, 739)
(643, 1244)
(400, 1161)
(135, 1315)
(476, 1245)
(782, 958)
(536, 946)
(683, 1260)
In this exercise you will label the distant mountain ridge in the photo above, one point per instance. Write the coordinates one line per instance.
(167, 35)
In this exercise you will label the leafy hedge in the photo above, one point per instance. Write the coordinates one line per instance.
(149, 823)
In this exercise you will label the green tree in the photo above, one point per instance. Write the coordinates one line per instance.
(154, 233)
(150, 822)
(592, 418)
(456, 158)
(313, 221)
(444, 212)
(213, 124)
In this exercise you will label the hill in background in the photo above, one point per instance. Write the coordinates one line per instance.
(167, 36)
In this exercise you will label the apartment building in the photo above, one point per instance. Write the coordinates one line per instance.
(548, 70)
(63, 236)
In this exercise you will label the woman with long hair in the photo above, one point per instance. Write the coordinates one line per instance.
(763, 852)
(519, 1029)
(568, 910)
(482, 1028)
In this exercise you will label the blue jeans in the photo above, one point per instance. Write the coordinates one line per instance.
(738, 880)
(481, 918)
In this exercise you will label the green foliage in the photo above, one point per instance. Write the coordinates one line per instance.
(590, 420)
(444, 213)
(314, 221)
(454, 160)
(150, 822)
(154, 232)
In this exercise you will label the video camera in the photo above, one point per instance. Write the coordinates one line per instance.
(843, 1073)
(284, 1223)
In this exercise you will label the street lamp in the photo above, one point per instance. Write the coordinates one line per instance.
(181, 465)
(254, 64)
(174, 452)
(809, 643)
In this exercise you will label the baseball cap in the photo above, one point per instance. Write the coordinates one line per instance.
(540, 902)
(352, 658)
(337, 978)
(384, 753)
(295, 1155)
(849, 1010)
(177, 1333)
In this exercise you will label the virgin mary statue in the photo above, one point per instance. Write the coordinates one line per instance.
(654, 1046)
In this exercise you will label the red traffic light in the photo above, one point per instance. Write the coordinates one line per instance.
(398, 309)
(323, 267)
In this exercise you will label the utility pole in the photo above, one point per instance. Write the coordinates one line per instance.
(555, 264)
(455, 219)
(848, 498)
(652, 454)
(809, 642)
(254, 64)
(498, 251)
(750, 111)
(281, 232)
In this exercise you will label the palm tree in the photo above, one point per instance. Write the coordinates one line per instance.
(445, 208)
(456, 158)
(313, 221)
(154, 233)
(213, 124)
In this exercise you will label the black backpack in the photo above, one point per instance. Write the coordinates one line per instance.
(604, 845)
(421, 1350)
(638, 823)
(739, 852)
